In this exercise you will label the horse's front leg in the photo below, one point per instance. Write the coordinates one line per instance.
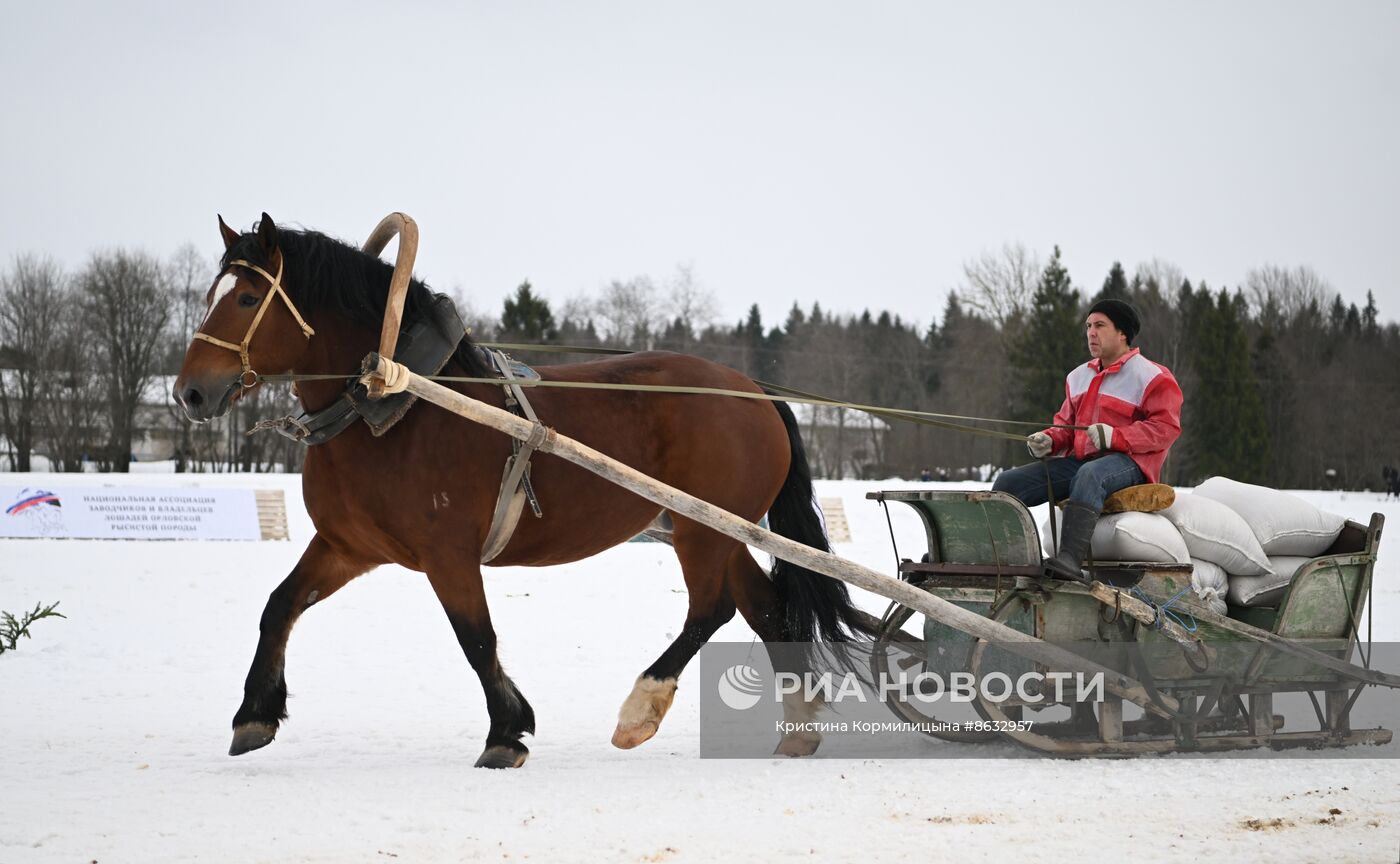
(458, 586)
(321, 571)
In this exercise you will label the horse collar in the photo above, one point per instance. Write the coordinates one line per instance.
(425, 348)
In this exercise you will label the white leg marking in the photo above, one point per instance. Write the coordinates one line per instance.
(642, 710)
(798, 710)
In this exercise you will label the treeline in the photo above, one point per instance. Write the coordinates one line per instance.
(86, 363)
(1285, 383)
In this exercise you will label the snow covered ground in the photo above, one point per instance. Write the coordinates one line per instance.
(114, 724)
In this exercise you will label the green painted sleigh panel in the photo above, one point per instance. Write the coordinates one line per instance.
(981, 543)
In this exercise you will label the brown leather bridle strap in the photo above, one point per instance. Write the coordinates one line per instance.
(275, 289)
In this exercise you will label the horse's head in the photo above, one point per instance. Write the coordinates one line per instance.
(251, 327)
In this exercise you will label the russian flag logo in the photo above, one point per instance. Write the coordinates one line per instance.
(32, 498)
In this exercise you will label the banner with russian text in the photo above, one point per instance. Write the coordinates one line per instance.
(128, 513)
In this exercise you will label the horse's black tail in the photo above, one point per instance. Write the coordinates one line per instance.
(815, 607)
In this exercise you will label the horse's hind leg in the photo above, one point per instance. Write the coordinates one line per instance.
(458, 587)
(320, 573)
(761, 607)
(702, 554)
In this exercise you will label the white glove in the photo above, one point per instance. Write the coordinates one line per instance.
(1101, 436)
(1040, 445)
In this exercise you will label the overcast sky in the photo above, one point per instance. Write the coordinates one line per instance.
(853, 154)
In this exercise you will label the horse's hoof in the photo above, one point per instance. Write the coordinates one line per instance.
(503, 756)
(627, 737)
(798, 744)
(642, 711)
(251, 736)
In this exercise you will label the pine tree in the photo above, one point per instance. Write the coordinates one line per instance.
(795, 319)
(1352, 327)
(932, 345)
(527, 318)
(1116, 285)
(1230, 429)
(758, 361)
(1337, 315)
(1050, 344)
(1276, 389)
(678, 336)
(576, 333)
(1370, 317)
(952, 311)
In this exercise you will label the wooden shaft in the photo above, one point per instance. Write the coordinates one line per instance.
(747, 532)
(407, 231)
(1143, 612)
(1287, 646)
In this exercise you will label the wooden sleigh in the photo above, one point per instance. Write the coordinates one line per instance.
(984, 556)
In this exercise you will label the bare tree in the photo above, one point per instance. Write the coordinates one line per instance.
(691, 305)
(1166, 276)
(71, 412)
(1291, 289)
(1000, 284)
(630, 313)
(482, 326)
(126, 300)
(31, 299)
(1158, 283)
(189, 272)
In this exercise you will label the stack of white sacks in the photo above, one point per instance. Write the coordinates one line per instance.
(1245, 542)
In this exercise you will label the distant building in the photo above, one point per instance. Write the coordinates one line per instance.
(843, 444)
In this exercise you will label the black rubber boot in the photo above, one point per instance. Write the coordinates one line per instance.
(1076, 530)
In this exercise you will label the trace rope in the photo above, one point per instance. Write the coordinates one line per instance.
(780, 394)
(1164, 611)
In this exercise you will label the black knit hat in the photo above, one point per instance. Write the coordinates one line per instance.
(1123, 316)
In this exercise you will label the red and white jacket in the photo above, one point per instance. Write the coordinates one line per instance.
(1138, 398)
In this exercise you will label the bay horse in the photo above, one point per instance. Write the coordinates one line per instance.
(422, 494)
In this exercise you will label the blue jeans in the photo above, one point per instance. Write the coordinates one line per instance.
(1086, 482)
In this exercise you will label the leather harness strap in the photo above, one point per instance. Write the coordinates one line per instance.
(241, 348)
(515, 484)
(515, 481)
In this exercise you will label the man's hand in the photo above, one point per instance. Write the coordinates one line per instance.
(1040, 445)
(1101, 436)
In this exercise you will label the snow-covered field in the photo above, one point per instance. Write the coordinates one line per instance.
(114, 724)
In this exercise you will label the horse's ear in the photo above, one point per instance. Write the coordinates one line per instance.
(267, 233)
(230, 235)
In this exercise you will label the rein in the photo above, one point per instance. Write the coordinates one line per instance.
(241, 348)
(779, 394)
(407, 230)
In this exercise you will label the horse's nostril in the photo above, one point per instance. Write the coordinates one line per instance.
(194, 397)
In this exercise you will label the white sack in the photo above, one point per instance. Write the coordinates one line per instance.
(1129, 537)
(1266, 590)
(1215, 533)
(1284, 524)
(1210, 584)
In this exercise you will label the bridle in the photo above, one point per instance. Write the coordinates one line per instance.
(249, 377)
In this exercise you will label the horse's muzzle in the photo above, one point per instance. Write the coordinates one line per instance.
(202, 402)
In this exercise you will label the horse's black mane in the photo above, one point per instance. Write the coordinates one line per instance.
(321, 271)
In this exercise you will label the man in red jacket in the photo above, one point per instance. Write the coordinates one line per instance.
(1132, 408)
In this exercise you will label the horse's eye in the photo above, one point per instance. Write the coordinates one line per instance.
(247, 300)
